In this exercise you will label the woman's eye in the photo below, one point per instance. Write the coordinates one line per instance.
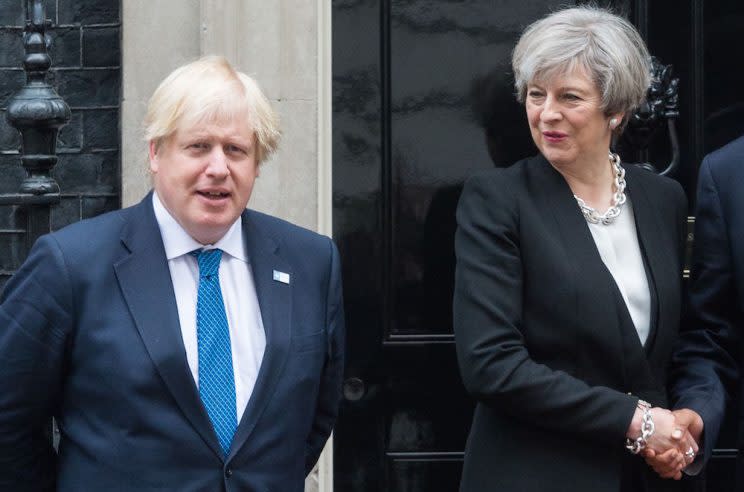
(571, 97)
(535, 94)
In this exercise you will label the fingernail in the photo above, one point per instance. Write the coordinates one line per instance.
(677, 434)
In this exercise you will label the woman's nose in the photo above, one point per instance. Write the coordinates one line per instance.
(550, 110)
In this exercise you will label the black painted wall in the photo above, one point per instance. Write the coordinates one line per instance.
(86, 59)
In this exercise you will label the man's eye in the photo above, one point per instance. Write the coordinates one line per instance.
(199, 146)
(234, 149)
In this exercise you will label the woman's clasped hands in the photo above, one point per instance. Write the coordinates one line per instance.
(673, 444)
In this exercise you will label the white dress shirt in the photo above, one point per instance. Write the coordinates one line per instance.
(247, 337)
(621, 253)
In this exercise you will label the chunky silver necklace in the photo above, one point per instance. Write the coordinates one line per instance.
(618, 199)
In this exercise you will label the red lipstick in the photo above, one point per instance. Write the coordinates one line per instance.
(553, 136)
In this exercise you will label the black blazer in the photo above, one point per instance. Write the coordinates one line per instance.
(544, 341)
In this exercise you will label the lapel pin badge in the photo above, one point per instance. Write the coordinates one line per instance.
(281, 277)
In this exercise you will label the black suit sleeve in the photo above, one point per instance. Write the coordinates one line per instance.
(494, 361)
(705, 361)
(35, 320)
(330, 386)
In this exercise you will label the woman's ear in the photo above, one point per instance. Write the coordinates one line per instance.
(615, 120)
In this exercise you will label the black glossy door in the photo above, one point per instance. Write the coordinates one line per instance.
(422, 98)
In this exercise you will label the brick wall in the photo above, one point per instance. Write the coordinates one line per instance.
(86, 59)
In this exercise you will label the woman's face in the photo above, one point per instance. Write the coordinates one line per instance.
(566, 120)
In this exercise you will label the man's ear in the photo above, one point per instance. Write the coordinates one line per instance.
(153, 155)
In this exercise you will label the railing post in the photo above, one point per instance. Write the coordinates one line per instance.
(37, 112)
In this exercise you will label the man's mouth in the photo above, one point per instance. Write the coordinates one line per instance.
(212, 195)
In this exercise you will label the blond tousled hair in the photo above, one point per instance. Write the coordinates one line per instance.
(207, 90)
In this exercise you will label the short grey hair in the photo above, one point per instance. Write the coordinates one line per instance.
(607, 46)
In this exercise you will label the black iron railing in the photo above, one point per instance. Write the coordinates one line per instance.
(38, 113)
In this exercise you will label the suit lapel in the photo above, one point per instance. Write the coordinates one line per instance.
(145, 281)
(557, 200)
(275, 302)
(649, 229)
(598, 292)
(640, 359)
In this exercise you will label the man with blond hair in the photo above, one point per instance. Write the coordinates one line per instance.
(185, 343)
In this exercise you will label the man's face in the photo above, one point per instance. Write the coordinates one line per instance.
(204, 176)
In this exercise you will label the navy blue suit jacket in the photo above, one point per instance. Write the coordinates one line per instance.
(706, 363)
(89, 333)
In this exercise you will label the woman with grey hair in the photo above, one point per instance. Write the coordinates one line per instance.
(567, 288)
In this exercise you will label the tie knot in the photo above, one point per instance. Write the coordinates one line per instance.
(209, 261)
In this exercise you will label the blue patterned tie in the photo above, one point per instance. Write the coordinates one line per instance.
(216, 380)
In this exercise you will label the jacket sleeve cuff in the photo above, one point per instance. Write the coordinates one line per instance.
(711, 411)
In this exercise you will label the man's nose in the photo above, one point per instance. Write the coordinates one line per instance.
(217, 165)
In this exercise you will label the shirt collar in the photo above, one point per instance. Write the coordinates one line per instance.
(177, 241)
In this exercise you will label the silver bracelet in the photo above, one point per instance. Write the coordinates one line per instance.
(636, 445)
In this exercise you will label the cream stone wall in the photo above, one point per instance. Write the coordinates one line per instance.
(156, 38)
(285, 46)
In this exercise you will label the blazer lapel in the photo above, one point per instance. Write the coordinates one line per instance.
(145, 281)
(275, 302)
(649, 228)
(556, 200)
(597, 300)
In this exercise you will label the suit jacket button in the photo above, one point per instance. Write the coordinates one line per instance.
(228, 472)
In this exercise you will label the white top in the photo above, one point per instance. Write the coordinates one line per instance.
(247, 337)
(621, 253)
